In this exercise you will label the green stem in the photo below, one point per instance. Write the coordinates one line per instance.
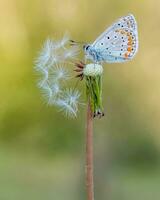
(89, 154)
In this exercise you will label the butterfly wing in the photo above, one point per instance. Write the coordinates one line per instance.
(119, 42)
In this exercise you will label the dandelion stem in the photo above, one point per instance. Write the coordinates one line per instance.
(89, 154)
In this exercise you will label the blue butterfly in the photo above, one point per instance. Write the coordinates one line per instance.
(118, 43)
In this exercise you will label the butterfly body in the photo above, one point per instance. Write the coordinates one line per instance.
(93, 54)
(119, 43)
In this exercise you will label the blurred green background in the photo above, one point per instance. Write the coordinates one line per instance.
(41, 152)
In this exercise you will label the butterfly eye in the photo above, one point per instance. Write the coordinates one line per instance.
(86, 47)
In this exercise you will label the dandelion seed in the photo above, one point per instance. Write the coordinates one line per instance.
(43, 79)
(56, 91)
(66, 108)
(59, 73)
(44, 55)
(46, 92)
(71, 53)
(68, 103)
(47, 56)
(62, 42)
(72, 97)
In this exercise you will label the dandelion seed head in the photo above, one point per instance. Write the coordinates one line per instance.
(50, 64)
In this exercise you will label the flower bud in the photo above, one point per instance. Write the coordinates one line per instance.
(92, 69)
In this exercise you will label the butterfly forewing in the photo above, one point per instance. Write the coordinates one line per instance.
(119, 42)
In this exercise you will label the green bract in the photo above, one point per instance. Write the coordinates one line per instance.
(94, 94)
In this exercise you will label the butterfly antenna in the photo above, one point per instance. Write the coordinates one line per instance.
(73, 42)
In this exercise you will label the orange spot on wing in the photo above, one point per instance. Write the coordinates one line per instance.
(129, 49)
(129, 39)
(126, 55)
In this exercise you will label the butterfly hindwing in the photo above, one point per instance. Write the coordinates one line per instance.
(119, 42)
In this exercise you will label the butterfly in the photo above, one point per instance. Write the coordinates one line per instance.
(118, 43)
